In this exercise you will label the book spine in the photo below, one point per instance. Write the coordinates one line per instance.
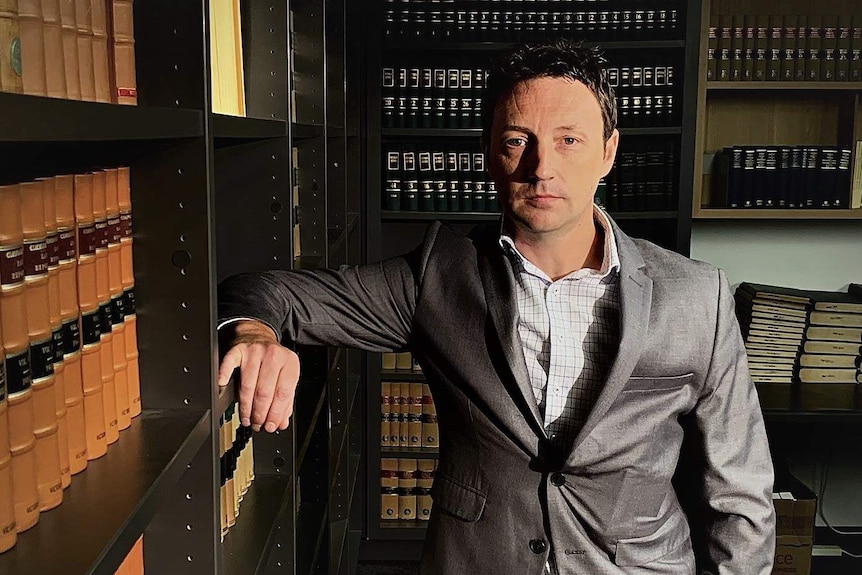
(749, 47)
(478, 92)
(388, 97)
(409, 179)
(424, 483)
(401, 96)
(841, 198)
(414, 414)
(761, 47)
(439, 98)
(465, 167)
(101, 68)
(388, 489)
(130, 317)
(385, 413)
(32, 34)
(815, 44)
(737, 47)
(441, 189)
(711, 51)
(465, 95)
(412, 111)
(426, 181)
(55, 75)
(453, 181)
(776, 34)
(453, 99)
(426, 101)
(830, 33)
(801, 48)
(115, 306)
(788, 49)
(725, 32)
(856, 49)
(10, 49)
(407, 469)
(8, 536)
(842, 58)
(479, 191)
(86, 72)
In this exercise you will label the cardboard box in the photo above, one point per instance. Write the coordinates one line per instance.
(795, 506)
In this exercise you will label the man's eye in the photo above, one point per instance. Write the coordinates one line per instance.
(516, 142)
(569, 141)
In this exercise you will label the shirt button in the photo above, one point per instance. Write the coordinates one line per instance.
(558, 479)
(538, 546)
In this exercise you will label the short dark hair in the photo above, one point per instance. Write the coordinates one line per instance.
(558, 58)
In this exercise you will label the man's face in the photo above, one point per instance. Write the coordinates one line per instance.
(547, 154)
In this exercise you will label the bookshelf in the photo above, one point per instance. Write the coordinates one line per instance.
(211, 197)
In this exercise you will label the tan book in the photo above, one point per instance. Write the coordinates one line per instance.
(8, 536)
(424, 482)
(788, 344)
(396, 408)
(69, 31)
(772, 316)
(837, 361)
(124, 194)
(115, 285)
(404, 415)
(832, 347)
(226, 66)
(848, 334)
(772, 326)
(430, 429)
(86, 72)
(754, 351)
(388, 488)
(775, 336)
(32, 34)
(415, 365)
(783, 378)
(828, 375)
(407, 469)
(414, 416)
(55, 72)
(836, 319)
(103, 296)
(385, 413)
(69, 312)
(10, 48)
(101, 68)
(404, 360)
(388, 361)
(36, 263)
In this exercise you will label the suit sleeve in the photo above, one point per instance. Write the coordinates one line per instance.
(737, 472)
(368, 307)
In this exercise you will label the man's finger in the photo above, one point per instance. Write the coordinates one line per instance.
(232, 360)
(248, 383)
(270, 366)
(282, 401)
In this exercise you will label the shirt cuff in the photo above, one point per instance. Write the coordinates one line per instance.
(236, 319)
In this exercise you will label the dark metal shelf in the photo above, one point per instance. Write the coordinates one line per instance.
(404, 530)
(403, 216)
(227, 396)
(477, 132)
(247, 544)
(305, 441)
(338, 538)
(243, 128)
(109, 505)
(820, 86)
(299, 131)
(308, 262)
(39, 119)
(344, 232)
(423, 46)
(310, 522)
(401, 375)
(410, 452)
(354, 539)
(811, 403)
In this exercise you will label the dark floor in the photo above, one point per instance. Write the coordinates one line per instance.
(388, 568)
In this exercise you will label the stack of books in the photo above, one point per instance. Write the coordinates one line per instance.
(801, 336)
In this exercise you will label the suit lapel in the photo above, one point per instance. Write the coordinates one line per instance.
(499, 285)
(635, 303)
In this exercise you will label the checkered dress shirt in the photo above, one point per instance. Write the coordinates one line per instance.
(569, 329)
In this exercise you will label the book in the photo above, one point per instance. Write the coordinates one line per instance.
(387, 96)
(836, 319)
(842, 57)
(32, 35)
(396, 415)
(829, 375)
(775, 46)
(389, 477)
(10, 48)
(407, 483)
(831, 361)
(856, 190)
(426, 180)
(392, 173)
(429, 419)
(116, 308)
(385, 412)
(856, 49)
(832, 347)
(101, 66)
(55, 73)
(830, 34)
(855, 291)
(414, 415)
(845, 334)
(124, 196)
(788, 49)
(123, 77)
(226, 67)
(814, 47)
(424, 483)
(86, 58)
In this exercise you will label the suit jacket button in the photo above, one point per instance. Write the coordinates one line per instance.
(538, 546)
(558, 479)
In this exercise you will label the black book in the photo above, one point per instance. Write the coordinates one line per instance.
(801, 47)
(392, 192)
(749, 176)
(782, 189)
(401, 99)
(434, 29)
(465, 173)
(449, 30)
(827, 165)
(441, 185)
(478, 92)
(734, 176)
(842, 58)
(492, 201)
(387, 95)
(409, 178)
(439, 98)
(749, 47)
(841, 197)
(761, 47)
(856, 49)
(796, 190)
(465, 91)
(829, 48)
(724, 47)
(479, 192)
(453, 97)
(855, 290)
(815, 43)
(811, 159)
(426, 100)
(413, 82)
(737, 47)
(426, 180)
(454, 181)
(759, 190)
(776, 32)
(788, 49)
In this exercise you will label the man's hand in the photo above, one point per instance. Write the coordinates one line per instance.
(268, 376)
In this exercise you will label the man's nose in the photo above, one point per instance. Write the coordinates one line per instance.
(540, 163)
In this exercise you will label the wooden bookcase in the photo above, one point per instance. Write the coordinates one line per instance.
(770, 113)
(211, 197)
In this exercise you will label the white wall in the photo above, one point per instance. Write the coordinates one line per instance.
(825, 255)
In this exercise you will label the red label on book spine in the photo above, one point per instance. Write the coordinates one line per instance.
(115, 230)
(35, 258)
(53, 241)
(87, 240)
(102, 238)
(11, 265)
(126, 224)
(66, 245)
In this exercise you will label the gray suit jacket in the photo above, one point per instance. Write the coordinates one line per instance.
(503, 497)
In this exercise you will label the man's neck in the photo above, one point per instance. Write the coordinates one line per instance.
(559, 254)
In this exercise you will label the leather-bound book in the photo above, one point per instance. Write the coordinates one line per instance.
(8, 537)
(424, 482)
(101, 68)
(124, 84)
(88, 302)
(69, 30)
(36, 261)
(86, 72)
(16, 345)
(55, 71)
(64, 204)
(32, 35)
(10, 48)
(128, 277)
(115, 286)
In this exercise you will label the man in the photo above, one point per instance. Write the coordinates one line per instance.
(569, 363)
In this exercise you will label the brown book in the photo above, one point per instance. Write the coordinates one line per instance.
(842, 57)
(122, 39)
(725, 38)
(749, 47)
(16, 343)
(55, 72)
(115, 286)
(430, 429)
(69, 31)
(124, 194)
(414, 415)
(86, 72)
(103, 295)
(761, 53)
(388, 488)
(801, 47)
(385, 413)
(36, 263)
(424, 483)
(788, 48)
(10, 48)
(407, 469)
(404, 361)
(776, 33)
(8, 536)
(388, 361)
(737, 47)
(90, 324)
(101, 69)
(395, 415)
(69, 312)
(32, 34)
(404, 415)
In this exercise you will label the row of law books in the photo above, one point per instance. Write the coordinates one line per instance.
(431, 178)
(801, 336)
(644, 94)
(399, 361)
(643, 178)
(405, 488)
(785, 177)
(788, 48)
(236, 467)
(510, 22)
(408, 416)
(68, 332)
(73, 49)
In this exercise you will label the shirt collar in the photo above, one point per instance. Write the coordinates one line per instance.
(610, 255)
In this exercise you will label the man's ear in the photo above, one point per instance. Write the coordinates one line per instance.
(610, 154)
